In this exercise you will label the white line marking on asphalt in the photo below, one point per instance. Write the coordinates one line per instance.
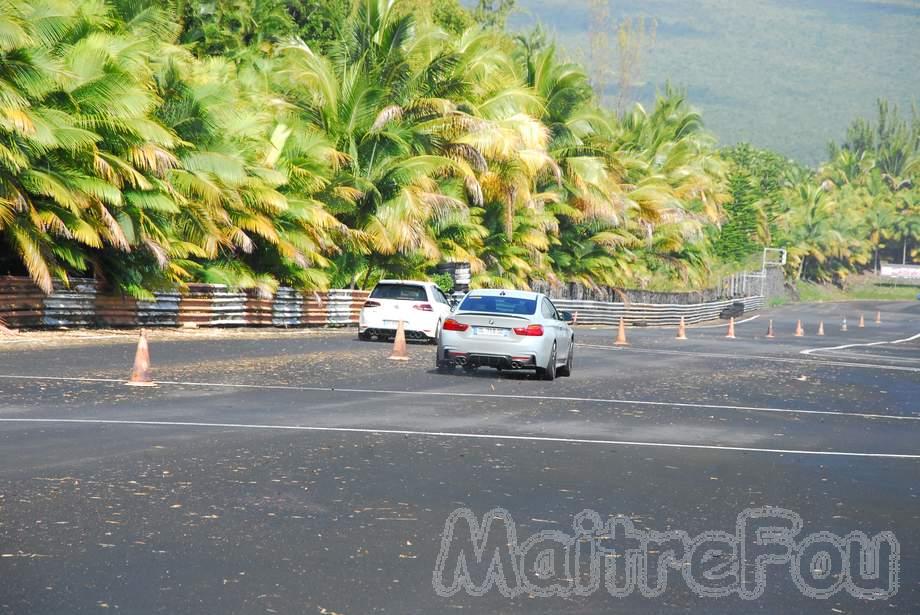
(75, 338)
(660, 327)
(471, 436)
(594, 400)
(749, 357)
(737, 322)
(867, 355)
(866, 344)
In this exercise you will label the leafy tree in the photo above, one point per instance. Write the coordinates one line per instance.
(493, 13)
(449, 15)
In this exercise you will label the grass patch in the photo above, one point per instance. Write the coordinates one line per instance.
(864, 289)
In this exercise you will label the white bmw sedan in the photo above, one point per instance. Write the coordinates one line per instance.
(508, 329)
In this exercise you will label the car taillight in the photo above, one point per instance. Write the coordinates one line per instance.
(425, 307)
(452, 325)
(530, 330)
(371, 304)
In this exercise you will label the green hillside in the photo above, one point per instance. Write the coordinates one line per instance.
(787, 75)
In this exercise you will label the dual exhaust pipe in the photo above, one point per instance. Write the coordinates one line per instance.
(462, 360)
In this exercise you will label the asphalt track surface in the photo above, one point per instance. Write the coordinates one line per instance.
(302, 472)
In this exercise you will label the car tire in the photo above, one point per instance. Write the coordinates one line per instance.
(566, 370)
(549, 372)
(364, 336)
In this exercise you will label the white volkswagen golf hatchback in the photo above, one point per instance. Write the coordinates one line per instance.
(422, 307)
(508, 329)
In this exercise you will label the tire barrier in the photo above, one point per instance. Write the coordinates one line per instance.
(86, 304)
(259, 308)
(338, 307)
(650, 314)
(287, 308)
(21, 303)
(113, 311)
(83, 304)
(163, 311)
(73, 306)
(212, 305)
(315, 309)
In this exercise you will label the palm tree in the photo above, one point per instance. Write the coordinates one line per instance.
(383, 100)
(813, 230)
(76, 100)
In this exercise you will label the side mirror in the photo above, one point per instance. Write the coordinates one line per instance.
(567, 317)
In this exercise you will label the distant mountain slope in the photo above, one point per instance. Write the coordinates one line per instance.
(785, 74)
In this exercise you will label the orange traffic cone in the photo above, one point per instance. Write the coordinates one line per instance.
(799, 331)
(878, 318)
(862, 321)
(843, 327)
(621, 334)
(770, 335)
(682, 330)
(731, 328)
(140, 375)
(399, 345)
(821, 328)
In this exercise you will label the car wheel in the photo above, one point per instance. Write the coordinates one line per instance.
(549, 372)
(469, 369)
(364, 336)
(566, 370)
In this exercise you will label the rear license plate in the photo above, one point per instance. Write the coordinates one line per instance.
(491, 331)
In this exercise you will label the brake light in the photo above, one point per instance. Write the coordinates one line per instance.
(530, 330)
(452, 325)
(371, 304)
(425, 307)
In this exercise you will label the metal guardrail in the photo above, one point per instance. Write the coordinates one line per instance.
(213, 305)
(85, 304)
(163, 311)
(287, 308)
(650, 314)
(344, 306)
(71, 307)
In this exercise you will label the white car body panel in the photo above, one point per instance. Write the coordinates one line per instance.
(490, 338)
(383, 319)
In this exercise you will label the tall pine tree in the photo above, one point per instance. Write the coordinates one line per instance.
(737, 240)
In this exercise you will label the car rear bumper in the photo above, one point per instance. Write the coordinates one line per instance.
(385, 332)
(417, 326)
(479, 359)
(532, 351)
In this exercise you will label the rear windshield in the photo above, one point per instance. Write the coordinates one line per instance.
(497, 304)
(402, 292)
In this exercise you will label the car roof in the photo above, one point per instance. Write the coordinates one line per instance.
(494, 292)
(407, 282)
